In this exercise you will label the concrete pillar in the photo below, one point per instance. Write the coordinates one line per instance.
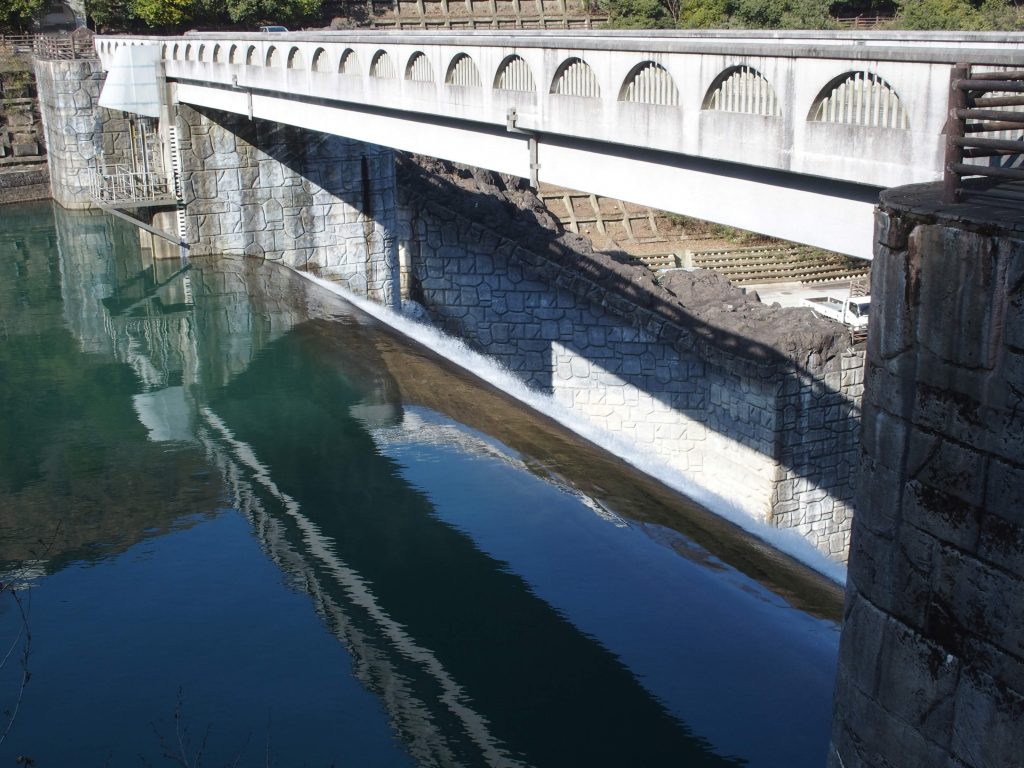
(314, 201)
(68, 92)
(931, 664)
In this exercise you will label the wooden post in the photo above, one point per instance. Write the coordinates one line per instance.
(954, 130)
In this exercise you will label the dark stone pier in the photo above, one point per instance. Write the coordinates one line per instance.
(931, 668)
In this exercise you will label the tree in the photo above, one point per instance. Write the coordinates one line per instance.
(111, 14)
(164, 13)
(639, 14)
(957, 14)
(275, 11)
(780, 14)
(19, 14)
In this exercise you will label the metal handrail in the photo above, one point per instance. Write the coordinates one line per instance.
(20, 43)
(974, 110)
(62, 47)
(119, 183)
(862, 22)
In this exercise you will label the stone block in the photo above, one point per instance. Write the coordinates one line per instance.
(1001, 542)
(917, 679)
(878, 738)
(891, 231)
(987, 731)
(975, 598)
(943, 514)
(203, 184)
(1012, 251)
(25, 149)
(860, 645)
(959, 309)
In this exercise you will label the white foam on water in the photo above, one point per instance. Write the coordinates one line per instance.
(454, 349)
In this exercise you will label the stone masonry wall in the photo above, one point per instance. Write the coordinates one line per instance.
(68, 91)
(774, 430)
(931, 664)
(18, 186)
(314, 201)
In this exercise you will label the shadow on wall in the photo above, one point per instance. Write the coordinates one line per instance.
(761, 402)
(312, 200)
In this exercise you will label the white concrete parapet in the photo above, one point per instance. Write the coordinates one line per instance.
(789, 120)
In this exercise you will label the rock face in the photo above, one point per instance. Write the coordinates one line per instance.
(931, 669)
(760, 406)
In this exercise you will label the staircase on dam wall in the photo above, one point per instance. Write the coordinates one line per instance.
(480, 14)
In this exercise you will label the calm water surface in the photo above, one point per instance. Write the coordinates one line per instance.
(247, 519)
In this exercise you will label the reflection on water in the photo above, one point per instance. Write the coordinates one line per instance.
(337, 548)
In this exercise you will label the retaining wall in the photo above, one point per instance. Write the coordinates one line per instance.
(766, 422)
(19, 186)
(931, 664)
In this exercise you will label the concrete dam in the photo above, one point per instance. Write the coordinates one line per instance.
(912, 445)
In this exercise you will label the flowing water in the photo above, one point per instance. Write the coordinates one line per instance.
(247, 524)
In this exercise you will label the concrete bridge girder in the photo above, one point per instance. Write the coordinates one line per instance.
(640, 149)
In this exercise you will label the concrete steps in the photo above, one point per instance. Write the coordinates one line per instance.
(762, 264)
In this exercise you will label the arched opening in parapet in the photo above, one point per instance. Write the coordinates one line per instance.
(295, 60)
(860, 98)
(218, 54)
(273, 58)
(321, 61)
(188, 52)
(574, 77)
(418, 69)
(175, 52)
(463, 71)
(649, 83)
(742, 89)
(381, 66)
(250, 56)
(514, 75)
(349, 63)
(163, 51)
(201, 56)
(233, 54)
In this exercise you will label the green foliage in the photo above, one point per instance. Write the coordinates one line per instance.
(164, 13)
(18, 14)
(273, 11)
(111, 15)
(637, 14)
(781, 14)
(706, 14)
(957, 15)
(709, 14)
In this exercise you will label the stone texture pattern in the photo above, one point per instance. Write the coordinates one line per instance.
(313, 201)
(72, 123)
(931, 667)
(17, 186)
(777, 438)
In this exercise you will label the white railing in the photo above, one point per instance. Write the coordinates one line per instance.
(121, 184)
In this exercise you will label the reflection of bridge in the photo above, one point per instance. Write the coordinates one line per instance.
(791, 135)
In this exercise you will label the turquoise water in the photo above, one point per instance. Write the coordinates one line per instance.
(247, 523)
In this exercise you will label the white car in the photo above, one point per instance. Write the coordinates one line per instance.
(273, 28)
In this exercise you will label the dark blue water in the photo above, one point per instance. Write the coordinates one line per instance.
(248, 525)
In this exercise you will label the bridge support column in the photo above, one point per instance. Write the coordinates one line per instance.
(73, 124)
(931, 662)
(314, 201)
